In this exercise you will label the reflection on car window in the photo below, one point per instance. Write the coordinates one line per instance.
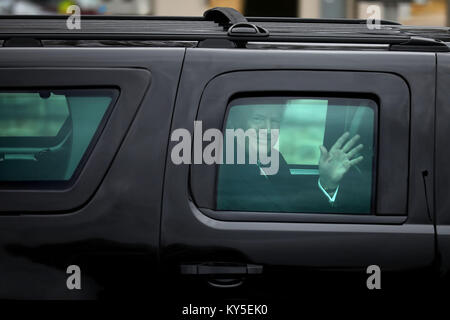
(44, 134)
(326, 156)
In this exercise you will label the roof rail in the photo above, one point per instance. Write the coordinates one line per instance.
(320, 20)
(236, 26)
(416, 43)
(220, 28)
(224, 16)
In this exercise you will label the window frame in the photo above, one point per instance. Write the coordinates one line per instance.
(61, 197)
(389, 91)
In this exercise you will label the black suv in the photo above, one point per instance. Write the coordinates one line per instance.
(111, 163)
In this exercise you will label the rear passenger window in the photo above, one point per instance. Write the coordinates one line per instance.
(45, 134)
(326, 156)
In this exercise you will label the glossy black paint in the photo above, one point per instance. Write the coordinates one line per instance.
(137, 212)
(442, 199)
(189, 235)
(114, 237)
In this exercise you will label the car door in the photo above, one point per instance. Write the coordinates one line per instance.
(385, 97)
(83, 139)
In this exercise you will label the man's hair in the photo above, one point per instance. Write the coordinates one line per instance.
(238, 116)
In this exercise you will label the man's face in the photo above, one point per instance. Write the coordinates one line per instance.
(264, 117)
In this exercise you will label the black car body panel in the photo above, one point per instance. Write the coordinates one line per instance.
(116, 231)
(132, 218)
(408, 244)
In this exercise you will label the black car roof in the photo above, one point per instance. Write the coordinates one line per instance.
(219, 26)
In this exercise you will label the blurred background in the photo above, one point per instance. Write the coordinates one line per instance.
(408, 12)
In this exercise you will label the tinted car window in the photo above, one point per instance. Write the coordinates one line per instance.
(45, 134)
(325, 150)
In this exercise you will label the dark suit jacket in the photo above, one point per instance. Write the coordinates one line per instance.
(242, 188)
